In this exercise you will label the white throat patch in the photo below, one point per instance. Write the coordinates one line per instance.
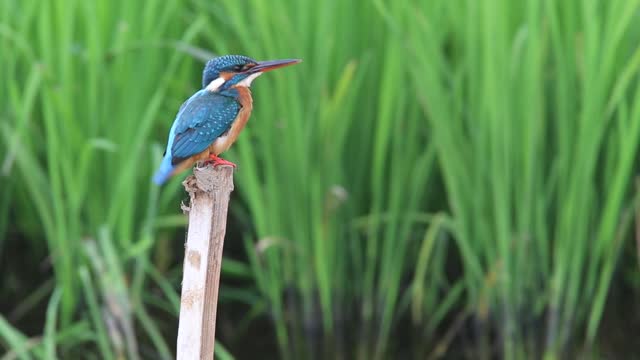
(215, 84)
(247, 81)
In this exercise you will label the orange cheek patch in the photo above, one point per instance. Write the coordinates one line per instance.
(226, 75)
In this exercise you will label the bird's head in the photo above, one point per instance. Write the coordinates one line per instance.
(236, 70)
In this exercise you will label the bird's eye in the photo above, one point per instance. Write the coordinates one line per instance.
(238, 68)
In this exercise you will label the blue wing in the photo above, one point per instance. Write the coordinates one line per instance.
(202, 120)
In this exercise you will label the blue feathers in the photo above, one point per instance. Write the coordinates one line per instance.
(164, 172)
(210, 113)
(227, 62)
(200, 121)
(206, 117)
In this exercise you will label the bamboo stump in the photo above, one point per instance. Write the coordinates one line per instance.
(209, 189)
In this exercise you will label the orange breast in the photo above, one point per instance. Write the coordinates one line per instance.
(223, 143)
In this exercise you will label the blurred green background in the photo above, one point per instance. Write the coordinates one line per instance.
(437, 179)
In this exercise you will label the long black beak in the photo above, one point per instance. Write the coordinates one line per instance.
(264, 66)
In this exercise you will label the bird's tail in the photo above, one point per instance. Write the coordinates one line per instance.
(164, 172)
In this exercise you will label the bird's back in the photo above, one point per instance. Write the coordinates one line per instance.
(200, 121)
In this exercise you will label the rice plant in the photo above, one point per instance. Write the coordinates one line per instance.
(84, 85)
(416, 135)
(536, 121)
(334, 169)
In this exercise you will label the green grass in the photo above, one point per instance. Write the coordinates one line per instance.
(85, 84)
(334, 168)
(414, 136)
(535, 116)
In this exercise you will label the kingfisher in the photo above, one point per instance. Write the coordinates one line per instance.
(209, 122)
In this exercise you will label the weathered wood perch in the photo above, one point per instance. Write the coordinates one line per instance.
(209, 189)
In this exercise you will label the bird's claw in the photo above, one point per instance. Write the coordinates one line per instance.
(218, 161)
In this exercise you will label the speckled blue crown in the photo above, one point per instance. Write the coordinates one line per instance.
(215, 65)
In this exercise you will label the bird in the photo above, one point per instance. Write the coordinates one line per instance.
(211, 119)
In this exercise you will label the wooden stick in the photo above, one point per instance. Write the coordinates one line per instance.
(209, 189)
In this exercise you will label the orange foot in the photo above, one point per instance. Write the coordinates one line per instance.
(217, 161)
